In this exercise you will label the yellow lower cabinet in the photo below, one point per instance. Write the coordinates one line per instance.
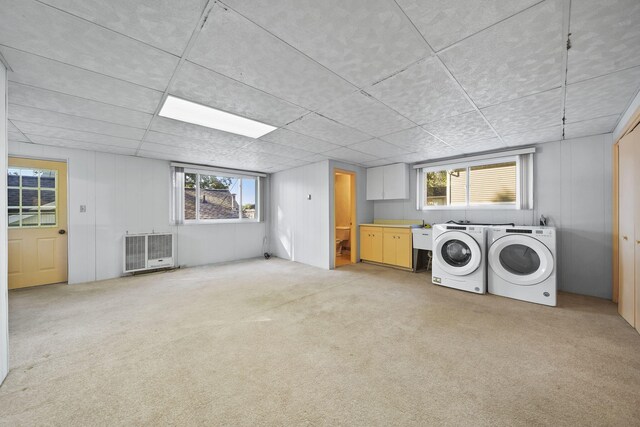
(389, 249)
(371, 244)
(404, 250)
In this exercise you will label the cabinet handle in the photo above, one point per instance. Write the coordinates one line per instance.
(625, 237)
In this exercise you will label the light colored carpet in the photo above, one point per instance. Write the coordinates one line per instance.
(279, 343)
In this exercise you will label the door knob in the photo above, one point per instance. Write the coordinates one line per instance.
(625, 237)
(61, 231)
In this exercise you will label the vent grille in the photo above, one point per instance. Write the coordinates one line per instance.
(135, 253)
(160, 246)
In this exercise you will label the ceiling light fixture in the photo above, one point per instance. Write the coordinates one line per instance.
(198, 114)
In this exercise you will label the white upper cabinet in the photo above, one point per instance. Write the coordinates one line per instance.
(388, 182)
(375, 183)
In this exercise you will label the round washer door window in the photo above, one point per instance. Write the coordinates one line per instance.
(456, 253)
(519, 259)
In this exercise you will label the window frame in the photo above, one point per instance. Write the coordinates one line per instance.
(38, 188)
(179, 202)
(523, 195)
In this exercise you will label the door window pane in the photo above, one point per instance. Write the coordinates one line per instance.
(13, 177)
(493, 184)
(29, 178)
(47, 179)
(48, 216)
(13, 197)
(30, 217)
(519, 259)
(14, 217)
(29, 197)
(47, 198)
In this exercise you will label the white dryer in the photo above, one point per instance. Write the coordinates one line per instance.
(459, 257)
(522, 263)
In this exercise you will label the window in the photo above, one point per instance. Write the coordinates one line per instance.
(204, 196)
(498, 183)
(31, 197)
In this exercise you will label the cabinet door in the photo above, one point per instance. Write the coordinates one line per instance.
(396, 181)
(404, 250)
(376, 246)
(365, 244)
(375, 182)
(626, 220)
(389, 248)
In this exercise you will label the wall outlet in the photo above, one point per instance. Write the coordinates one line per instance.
(308, 196)
(83, 208)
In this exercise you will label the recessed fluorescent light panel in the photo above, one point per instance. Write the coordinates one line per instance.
(190, 112)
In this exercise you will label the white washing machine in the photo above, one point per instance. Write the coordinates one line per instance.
(522, 263)
(459, 257)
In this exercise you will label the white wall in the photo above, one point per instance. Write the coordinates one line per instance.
(132, 194)
(364, 208)
(572, 187)
(299, 227)
(4, 299)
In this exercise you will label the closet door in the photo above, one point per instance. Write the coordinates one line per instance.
(626, 221)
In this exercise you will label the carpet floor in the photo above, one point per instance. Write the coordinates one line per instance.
(279, 343)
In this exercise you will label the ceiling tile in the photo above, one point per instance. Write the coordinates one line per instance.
(481, 146)
(190, 144)
(443, 23)
(65, 121)
(461, 129)
(349, 155)
(44, 73)
(362, 40)
(326, 129)
(192, 147)
(40, 29)
(82, 145)
(315, 158)
(260, 146)
(591, 127)
(423, 93)
(376, 162)
(199, 84)
(296, 140)
(174, 127)
(378, 148)
(601, 96)
(539, 136)
(234, 46)
(165, 24)
(29, 96)
(17, 137)
(515, 58)
(367, 114)
(417, 140)
(526, 114)
(605, 37)
(33, 130)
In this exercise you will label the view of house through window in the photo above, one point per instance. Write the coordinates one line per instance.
(474, 185)
(31, 197)
(218, 197)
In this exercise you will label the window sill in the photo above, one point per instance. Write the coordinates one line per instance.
(474, 208)
(221, 221)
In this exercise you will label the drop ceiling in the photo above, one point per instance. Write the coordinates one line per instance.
(368, 82)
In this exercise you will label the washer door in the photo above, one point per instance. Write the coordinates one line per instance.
(521, 260)
(460, 253)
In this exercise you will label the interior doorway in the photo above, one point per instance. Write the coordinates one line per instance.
(37, 222)
(344, 215)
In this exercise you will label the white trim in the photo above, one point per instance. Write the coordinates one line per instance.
(222, 171)
(634, 105)
(466, 160)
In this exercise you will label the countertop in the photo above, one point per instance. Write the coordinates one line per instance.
(392, 225)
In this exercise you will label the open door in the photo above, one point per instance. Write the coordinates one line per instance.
(37, 222)
(344, 215)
